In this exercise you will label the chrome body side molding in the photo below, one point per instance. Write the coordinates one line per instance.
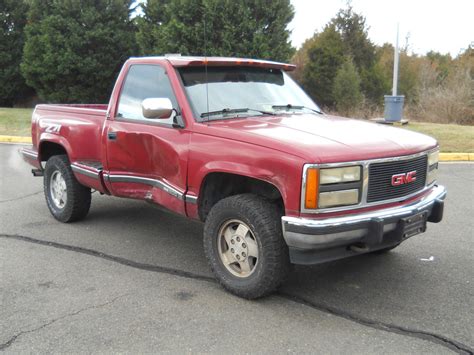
(191, 199)
(88, 171)
(29, 153)
(171, 190)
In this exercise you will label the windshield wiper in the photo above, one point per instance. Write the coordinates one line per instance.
(226, 111)
(295, 107)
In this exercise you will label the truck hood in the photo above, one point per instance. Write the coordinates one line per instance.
(322, 138)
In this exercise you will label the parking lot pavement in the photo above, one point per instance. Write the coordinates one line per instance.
(132, 278)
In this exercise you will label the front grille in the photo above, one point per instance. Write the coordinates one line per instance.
(380, 178)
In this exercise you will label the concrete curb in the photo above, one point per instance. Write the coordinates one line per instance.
(442, 156)
(456, 156)
(14, 139)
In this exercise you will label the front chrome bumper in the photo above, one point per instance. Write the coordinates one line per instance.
(373, 230)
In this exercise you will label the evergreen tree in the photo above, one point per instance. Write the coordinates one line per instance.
(345, 36)
(347, 88)
(75, 48)
(357, 45)
(247, 28)
(353, 31)
(12, 21)
(325, 56)
(374, 83)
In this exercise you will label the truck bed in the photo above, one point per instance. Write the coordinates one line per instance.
(76, 127)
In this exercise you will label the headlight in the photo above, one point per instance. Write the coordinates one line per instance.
(338, 198)
(338, 175)
(433, 159)
(331, 187)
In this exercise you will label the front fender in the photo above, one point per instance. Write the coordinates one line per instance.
(215, 154)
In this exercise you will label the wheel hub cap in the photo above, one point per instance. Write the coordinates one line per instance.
(57, 189)
(238, 248)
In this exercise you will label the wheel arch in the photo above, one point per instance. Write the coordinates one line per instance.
(217, 185)
(48, 148)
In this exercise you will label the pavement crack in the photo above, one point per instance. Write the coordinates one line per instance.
(388, 327)
(117, 259)
(21, 197)
(51, 322)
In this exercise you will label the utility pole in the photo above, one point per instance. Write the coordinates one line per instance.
(395, 65)
(394, 103)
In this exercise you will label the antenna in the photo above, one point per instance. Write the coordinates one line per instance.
(205, 61)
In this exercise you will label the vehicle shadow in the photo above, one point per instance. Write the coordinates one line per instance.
(177, 243)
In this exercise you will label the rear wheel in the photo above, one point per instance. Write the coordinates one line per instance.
(67, 199)
(244, 245)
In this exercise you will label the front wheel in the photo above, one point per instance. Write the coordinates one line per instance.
(244, 245)
(67, 199)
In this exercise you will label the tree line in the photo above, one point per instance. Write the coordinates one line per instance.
(71, 51)
(345, 72)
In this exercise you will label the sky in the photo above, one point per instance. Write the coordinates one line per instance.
(439, 25)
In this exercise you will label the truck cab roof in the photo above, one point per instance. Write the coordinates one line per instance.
(183, 61)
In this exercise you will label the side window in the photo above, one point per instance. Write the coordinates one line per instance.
(143, 82)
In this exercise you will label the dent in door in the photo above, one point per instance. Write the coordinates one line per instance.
(144, 154)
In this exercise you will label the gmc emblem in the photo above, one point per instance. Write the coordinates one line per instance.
(401, 179)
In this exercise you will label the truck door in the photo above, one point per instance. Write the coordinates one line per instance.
(146, 158)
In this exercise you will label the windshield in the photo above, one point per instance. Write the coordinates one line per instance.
(239, 91)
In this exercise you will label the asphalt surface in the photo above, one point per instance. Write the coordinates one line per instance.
(133, 278)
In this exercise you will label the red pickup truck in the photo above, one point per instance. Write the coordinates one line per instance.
(237, 144)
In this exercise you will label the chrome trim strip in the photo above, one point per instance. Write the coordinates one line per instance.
(190, 199)
(29, 153)
(147, 121)
(56, 107)
(86, 172)
(365, 183)
(147, 181)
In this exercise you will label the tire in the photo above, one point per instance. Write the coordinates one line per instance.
(67, 200)
(385, 250)
(261, 274)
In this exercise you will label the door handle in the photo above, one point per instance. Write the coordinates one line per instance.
(112, 136)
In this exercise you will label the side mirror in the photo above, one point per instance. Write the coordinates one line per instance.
(157, 108)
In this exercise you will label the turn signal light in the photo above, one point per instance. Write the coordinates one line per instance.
(311, 194)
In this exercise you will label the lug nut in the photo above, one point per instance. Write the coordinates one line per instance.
(243, 254)
(238, 257)
(231, 250)
(238, 239)
(244, 245)
(232, 241)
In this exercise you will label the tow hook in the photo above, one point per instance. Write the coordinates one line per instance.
(359, 248)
